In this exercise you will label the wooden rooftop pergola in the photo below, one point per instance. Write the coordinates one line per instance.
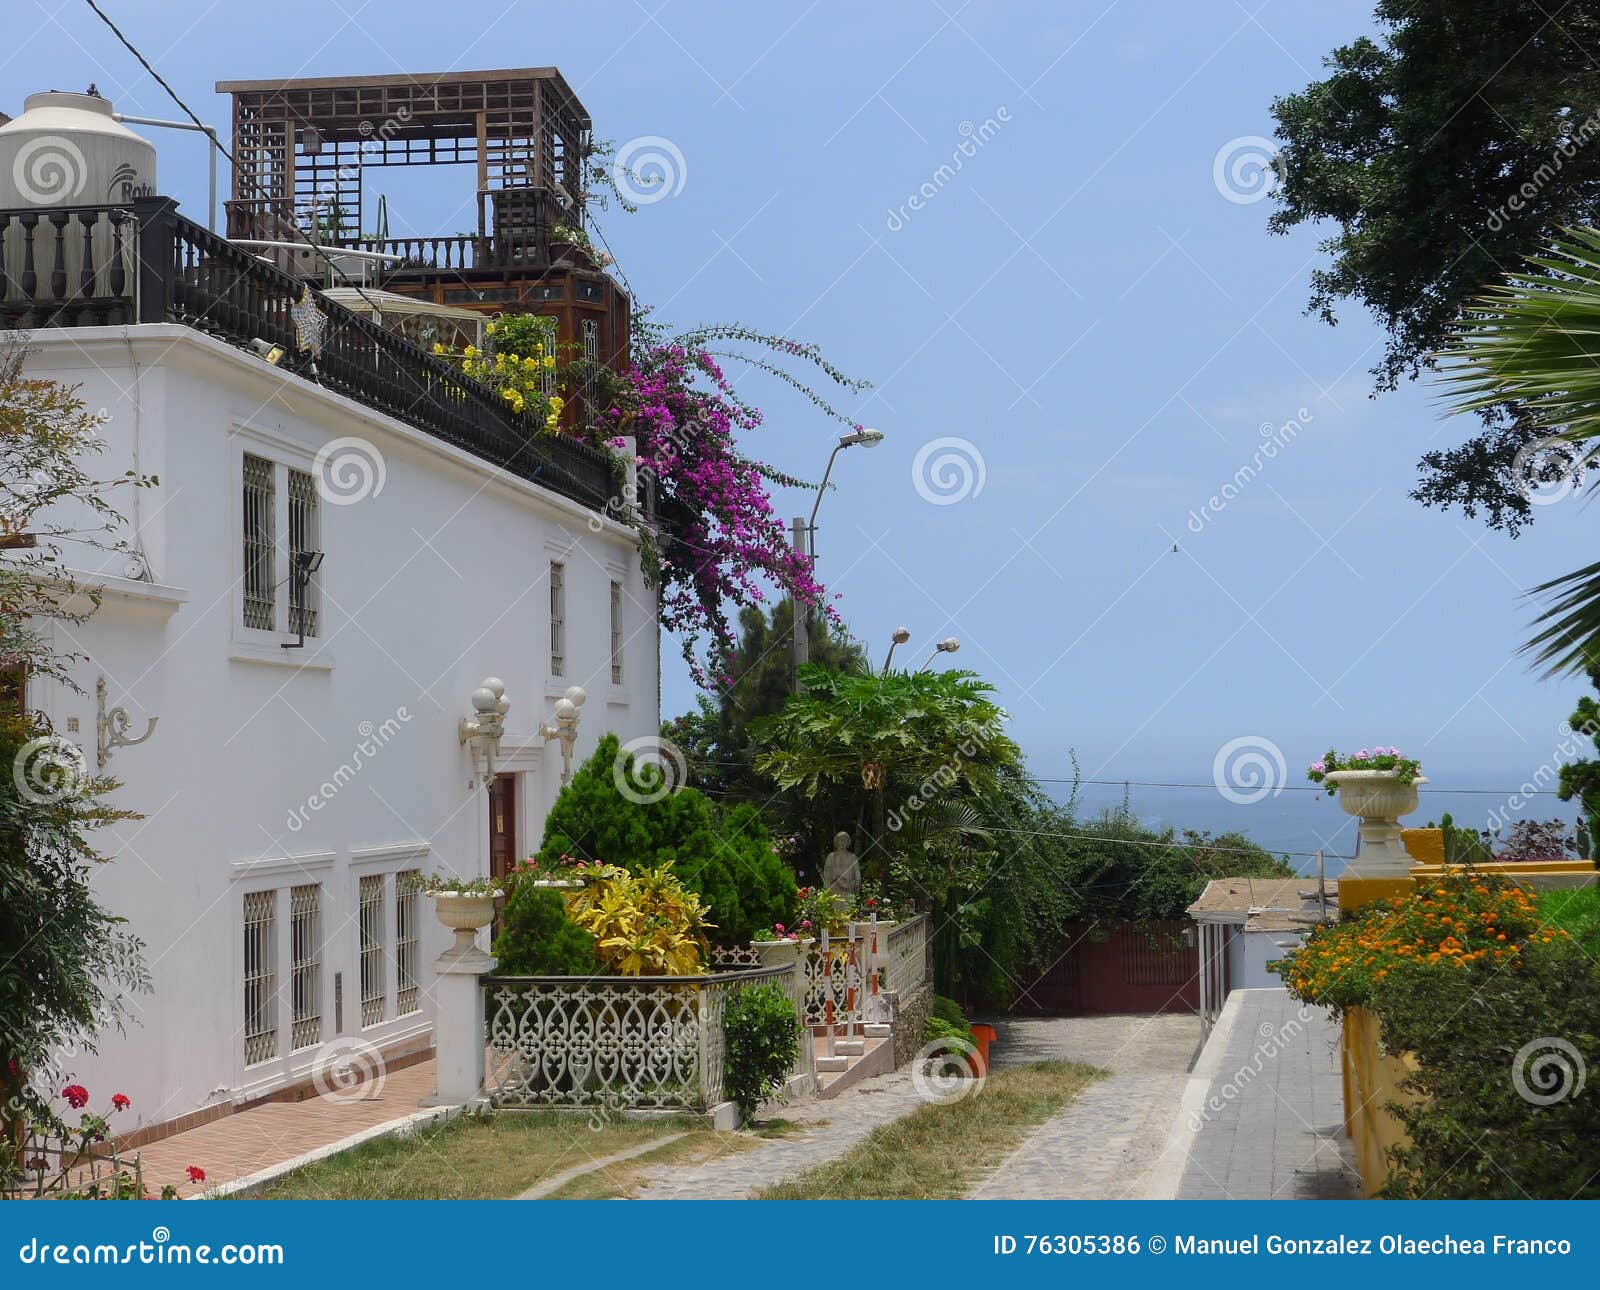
(300, 147)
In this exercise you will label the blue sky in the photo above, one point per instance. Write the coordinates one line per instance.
(1079, 302)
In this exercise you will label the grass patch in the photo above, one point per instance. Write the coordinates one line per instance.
(469, 1158)
(1576, 912)
(940, 1152)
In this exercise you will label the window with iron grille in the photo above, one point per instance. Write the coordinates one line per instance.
(373, 993)
(305, 968)
(304, 536)
(260, 544)
(406, 899)
(558, 619)
(616, 633)
(260, 976)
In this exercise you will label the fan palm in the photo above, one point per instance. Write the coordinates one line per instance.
(1534, 339)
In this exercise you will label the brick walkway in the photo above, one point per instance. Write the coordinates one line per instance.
(1271, 1126)
(1104, 1145)
(248, 1141)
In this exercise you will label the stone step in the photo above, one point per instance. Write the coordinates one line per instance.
(878, 1030)
(824, 1063)
(849, 1047)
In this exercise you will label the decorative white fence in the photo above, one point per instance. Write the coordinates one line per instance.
(613, 1042)
(905, 954)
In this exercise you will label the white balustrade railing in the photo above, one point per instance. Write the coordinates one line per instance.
(613, 1042)
(904, 955)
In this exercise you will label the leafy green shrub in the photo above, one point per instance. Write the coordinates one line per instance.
(1502, 1056)
(948, 1010)
(538, 939)
(936, 1028)
(763, 1042)
(725, 856)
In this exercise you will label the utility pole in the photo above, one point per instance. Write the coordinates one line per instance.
(802, 613)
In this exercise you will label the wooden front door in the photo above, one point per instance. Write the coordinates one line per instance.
(503, 825)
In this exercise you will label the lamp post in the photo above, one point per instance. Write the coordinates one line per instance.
(949, 645)
(900, 636)
(803, 536)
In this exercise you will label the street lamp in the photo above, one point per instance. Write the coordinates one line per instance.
(900, 637)
(949, 645)
(804, 538)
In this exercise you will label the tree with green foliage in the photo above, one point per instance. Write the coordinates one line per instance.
(911, 740)
(1459, 141)
(1530, 340)
(1581, 779)
(762, 1035)
(537, 938)
(622, 810)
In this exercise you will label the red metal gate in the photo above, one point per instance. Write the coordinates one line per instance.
(1118, 968)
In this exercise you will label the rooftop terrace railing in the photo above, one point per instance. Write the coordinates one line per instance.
(142, 262)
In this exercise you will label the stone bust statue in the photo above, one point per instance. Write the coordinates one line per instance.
(841, 871)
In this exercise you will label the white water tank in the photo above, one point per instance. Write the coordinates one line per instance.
(66, 150)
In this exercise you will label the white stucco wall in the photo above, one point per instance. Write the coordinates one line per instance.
(430, 585)
(1256, 950)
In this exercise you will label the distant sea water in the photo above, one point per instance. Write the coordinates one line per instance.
(1297, 821)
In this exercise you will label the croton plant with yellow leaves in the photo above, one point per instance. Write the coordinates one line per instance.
(518, 360)
(644, 924)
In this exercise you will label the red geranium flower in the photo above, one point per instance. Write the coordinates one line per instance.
(196, 1174)
(77, 1096)
(120, 1102)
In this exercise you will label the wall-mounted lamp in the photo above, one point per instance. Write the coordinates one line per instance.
(269, 353)
(565, 727)
(949, 645)
(301, 566)
(490, 705)
(111, 727)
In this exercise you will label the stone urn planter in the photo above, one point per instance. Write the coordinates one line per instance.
(1378, 799)
(464, 913)
(783, 953)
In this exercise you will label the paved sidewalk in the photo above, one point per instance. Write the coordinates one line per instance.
(247, 1142)
(1271, 1123)
(825, 1130)
(1104, 1145)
